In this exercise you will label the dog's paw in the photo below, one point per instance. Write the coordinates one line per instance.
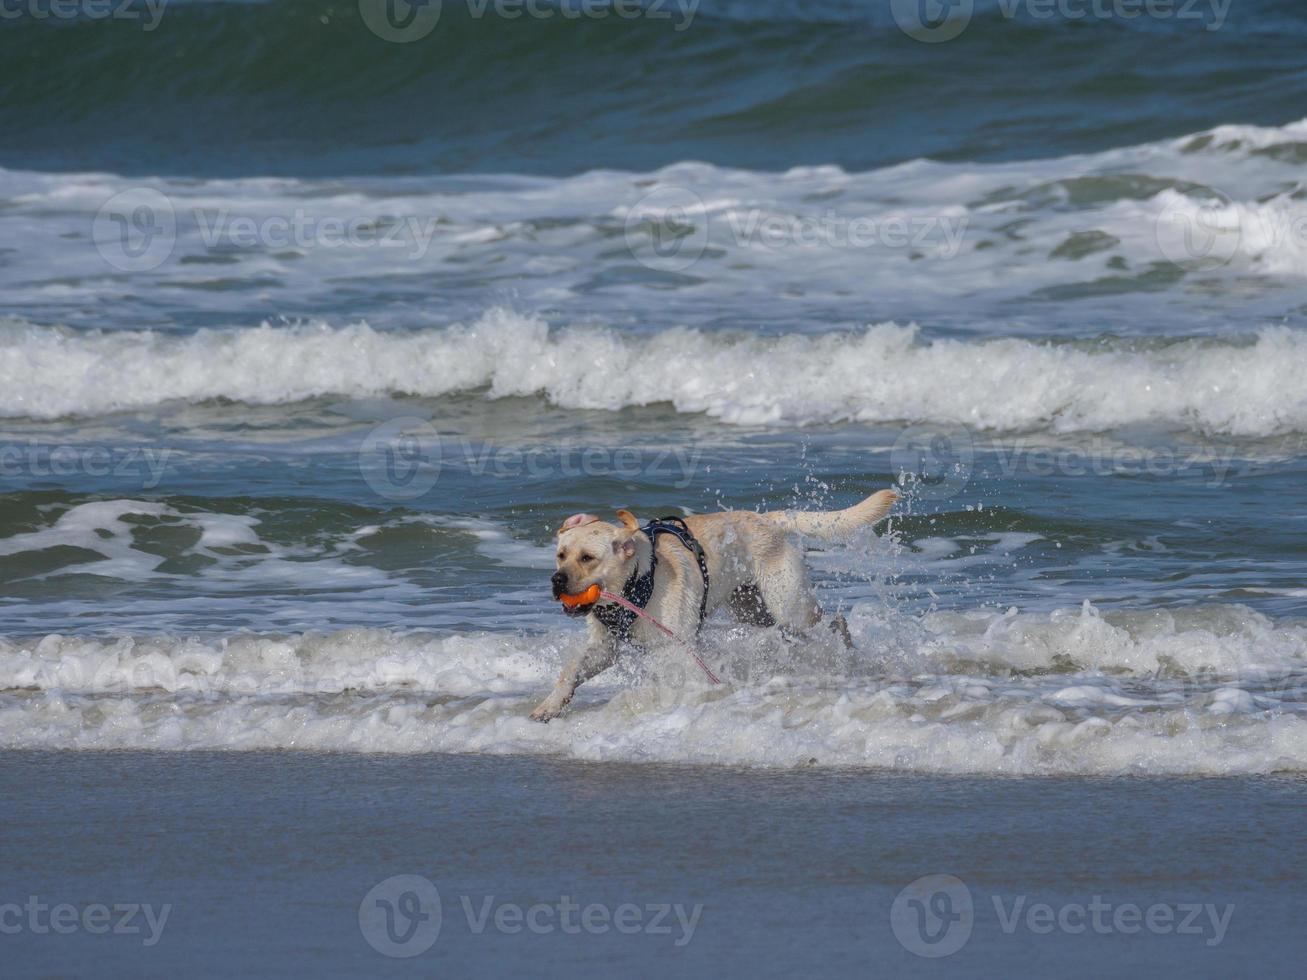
(547, 711)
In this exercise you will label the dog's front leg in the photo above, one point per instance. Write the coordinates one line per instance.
(599, 654)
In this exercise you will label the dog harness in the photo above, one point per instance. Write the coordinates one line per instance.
(639, 588)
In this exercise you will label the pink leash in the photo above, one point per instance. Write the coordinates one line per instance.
(632, 607)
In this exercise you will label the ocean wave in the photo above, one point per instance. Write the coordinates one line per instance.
(1197, 235)
(1204, 691)
(1248, 388)
(178, 563)
(334, 96)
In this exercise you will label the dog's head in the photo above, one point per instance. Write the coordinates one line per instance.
(594, 552)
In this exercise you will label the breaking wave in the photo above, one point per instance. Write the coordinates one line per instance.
(1201, 691)
(1251, 387)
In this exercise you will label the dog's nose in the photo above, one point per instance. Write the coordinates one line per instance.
(559, 581)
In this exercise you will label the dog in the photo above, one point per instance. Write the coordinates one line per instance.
(681, 571)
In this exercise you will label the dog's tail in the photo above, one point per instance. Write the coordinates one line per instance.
(832, 525)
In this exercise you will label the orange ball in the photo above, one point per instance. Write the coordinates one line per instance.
(586, 598)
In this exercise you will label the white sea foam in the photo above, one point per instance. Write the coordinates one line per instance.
(1204, 691)
(491, 539)
(879, 374)
(236, 558)
(1180, 235)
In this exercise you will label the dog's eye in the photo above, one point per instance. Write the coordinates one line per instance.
(587, 558)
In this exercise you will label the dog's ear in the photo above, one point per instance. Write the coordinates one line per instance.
(576, 520)
(625, 545)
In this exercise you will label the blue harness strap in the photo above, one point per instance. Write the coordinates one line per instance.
(639, 588)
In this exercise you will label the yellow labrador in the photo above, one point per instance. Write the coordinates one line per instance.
(681, 571)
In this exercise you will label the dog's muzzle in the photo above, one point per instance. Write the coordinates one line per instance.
(577, 604)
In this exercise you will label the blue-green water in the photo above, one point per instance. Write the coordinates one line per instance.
(309, 339)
